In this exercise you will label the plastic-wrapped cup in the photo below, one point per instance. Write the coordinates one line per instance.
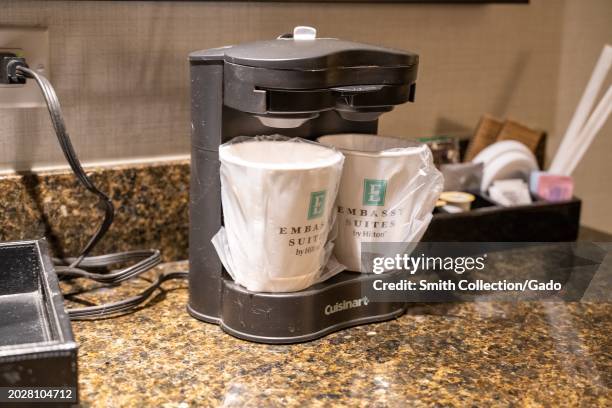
(388, 191)
(278, 207)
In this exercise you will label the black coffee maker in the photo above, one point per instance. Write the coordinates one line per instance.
(299, 86)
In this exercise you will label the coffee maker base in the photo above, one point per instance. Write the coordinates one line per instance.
(285, 318)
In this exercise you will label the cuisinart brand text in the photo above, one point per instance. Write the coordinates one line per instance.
(346, 304)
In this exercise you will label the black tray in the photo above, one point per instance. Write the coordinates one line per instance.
(540, 221)
(37, 348)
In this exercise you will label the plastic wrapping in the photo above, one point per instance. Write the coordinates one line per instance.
(278, 198)
(388, 191)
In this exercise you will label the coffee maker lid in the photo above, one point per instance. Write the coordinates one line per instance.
(302, 50)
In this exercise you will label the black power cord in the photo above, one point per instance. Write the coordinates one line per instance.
(78, 266)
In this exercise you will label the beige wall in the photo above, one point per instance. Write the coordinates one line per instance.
(121, 71)
(587, 26)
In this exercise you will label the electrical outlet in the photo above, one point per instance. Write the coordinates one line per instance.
(33, 45)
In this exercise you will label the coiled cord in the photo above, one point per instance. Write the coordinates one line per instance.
(125, 305)
(77, 266)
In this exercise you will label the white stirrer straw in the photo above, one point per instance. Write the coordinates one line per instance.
(590, 129)
(565, 150)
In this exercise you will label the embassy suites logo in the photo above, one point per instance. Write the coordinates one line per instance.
(317, 204)
(308, 237)
(346, 304)
(374, 192)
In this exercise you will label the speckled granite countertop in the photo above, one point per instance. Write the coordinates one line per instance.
(476, 354)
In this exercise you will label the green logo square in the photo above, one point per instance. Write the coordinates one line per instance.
(317, 204)
(374, 192)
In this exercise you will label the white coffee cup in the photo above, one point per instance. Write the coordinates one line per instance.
(388, 191)
(278, 206)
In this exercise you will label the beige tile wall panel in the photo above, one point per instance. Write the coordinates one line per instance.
(120, 68)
